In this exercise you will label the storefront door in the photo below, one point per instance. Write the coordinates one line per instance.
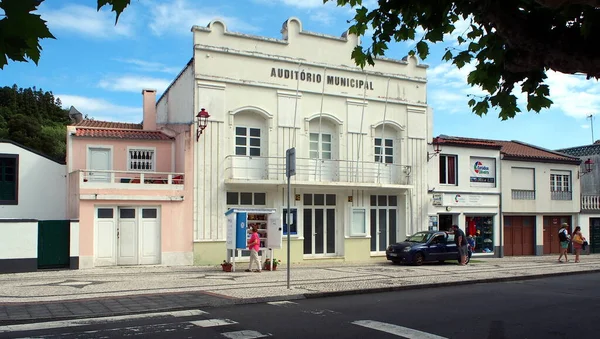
(551, 227)
(319, 224)
(384, 211)
(594, 240)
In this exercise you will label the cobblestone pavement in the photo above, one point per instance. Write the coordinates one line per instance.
(45, 295)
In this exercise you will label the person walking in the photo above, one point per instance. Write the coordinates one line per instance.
(578, 240)
(564, 239)
(461, 243)
(254, 247)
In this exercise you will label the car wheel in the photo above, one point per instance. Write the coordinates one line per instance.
(419, 259)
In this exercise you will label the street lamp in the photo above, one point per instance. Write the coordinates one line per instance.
(436, 148)
(202, 118)
(588, 166)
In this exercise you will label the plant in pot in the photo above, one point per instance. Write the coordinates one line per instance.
(226, 266)
(267, 266)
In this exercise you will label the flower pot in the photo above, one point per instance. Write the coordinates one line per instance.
(227, 268)
(268, 267)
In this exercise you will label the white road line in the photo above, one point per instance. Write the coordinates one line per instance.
(94, 321)
(245, 335)
(213, 322)
(279, 303)
(400, 331)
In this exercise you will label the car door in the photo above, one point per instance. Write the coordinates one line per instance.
(450, 250)
(436, 248)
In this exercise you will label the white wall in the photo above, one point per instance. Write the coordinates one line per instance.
(42, 187)
(543, 202)
(20, 240)
(177, 104)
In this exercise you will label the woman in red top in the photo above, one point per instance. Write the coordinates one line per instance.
(254, 247)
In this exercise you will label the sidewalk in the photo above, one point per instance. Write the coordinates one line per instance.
(59, 295)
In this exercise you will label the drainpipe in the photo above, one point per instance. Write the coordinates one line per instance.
(500, 217)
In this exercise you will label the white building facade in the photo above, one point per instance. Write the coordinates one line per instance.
(360, 140)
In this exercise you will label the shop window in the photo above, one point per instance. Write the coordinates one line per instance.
(482, 231)
(247, 141)
(141, 159)
(246, 199)
(384, 150)
(359, 222)
(9, 179)
(448, 169)
(294, 221)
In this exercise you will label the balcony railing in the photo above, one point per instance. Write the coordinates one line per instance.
(590, 202)
(561, 195)
(128, 179)
(318, 170)
(523, 195)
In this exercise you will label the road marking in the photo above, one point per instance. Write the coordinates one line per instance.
(245, 335)
(279, 303)
(400, 331)
(94, 321)
(213, 322)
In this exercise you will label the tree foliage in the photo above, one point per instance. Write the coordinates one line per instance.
(35, 119)
(21, 30)
(511, 43)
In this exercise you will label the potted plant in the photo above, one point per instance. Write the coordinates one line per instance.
(226, 266)
(268, 264)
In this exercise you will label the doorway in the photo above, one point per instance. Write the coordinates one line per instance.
(384, 221)
(594, 235)
(319, 224)
(446, 222)
(551, 227)
(99, 159)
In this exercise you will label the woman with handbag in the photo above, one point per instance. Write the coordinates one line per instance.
(578, 240)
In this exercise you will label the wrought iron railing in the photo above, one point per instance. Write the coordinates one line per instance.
(523, 194)
(590, 202)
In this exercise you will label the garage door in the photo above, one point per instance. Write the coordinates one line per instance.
(519, 235)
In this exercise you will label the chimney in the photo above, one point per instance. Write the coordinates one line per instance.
(149, 102)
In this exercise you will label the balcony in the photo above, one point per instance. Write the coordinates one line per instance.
(317, 170)
(590, 202)
(523, 194)
(561, 195)
(97, 179)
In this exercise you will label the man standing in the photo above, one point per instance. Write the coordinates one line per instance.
(564, 238)
(461, 243)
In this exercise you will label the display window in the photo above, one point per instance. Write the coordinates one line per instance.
(480, 233)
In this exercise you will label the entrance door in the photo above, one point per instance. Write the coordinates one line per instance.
(323, 164)
(384, 211)
(519, 235)
(319, 224)
(551, 227)
(150, 237)
(127, 237)
(445, 223)
(99, 159)
(594, 235)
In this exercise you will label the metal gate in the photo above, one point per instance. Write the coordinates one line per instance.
(53, 243)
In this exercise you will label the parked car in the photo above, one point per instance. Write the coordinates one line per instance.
(423, 247)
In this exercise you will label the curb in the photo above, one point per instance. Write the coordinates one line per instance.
(301, 296)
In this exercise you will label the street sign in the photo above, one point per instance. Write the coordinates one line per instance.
(290, 162)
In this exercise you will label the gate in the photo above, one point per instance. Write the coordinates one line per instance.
(53, 243)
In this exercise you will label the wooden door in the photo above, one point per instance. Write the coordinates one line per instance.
(551, 227)
(508, 236)
(528, 235)
(519, 235)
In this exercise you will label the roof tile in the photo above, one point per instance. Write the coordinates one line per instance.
(121, 134)
(108, 124)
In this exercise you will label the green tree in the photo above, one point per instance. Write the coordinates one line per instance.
(34, 118)
(512, 43)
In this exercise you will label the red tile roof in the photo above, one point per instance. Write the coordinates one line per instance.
(121, 134)
(511, 150)
(108, 124)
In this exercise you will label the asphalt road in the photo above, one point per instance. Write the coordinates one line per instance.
(561, 307)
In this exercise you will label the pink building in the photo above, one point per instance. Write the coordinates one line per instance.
(130, 187)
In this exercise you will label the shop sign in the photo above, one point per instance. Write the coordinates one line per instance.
(331, 80)
(475, 200)
(437, 199)
(483, 172)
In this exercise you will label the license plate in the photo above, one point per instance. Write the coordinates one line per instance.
(393, 254)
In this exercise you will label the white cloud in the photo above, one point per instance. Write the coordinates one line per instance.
(131, 83)
(149, 66)
(585, 126)
(86, 20)
(573, 95)
(180, 15)
(101, 109)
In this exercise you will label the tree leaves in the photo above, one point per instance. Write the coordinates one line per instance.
(118, 6)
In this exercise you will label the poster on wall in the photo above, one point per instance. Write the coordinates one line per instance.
(483, 172)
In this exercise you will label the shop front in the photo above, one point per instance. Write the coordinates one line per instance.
(476, 214)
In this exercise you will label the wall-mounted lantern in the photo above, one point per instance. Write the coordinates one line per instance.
(202, 118)
(436, 148)
(588, 166)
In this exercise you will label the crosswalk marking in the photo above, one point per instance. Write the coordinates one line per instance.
(400, 331)
(245, 335)
(213, 322)
(94, 321)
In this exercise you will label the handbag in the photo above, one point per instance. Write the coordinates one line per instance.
(584, 245)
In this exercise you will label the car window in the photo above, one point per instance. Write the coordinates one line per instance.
(439, 239)
(450, 238)
(420, 237)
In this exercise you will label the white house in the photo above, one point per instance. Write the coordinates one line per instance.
(33, 200)
(360, 138)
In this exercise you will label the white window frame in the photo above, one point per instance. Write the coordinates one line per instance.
(446, 174)
(247, 138)
(560, 182)
(382, 156)
(141, 148)
(320, 146)
(355, 218)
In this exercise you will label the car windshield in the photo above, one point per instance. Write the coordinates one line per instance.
(420, 237)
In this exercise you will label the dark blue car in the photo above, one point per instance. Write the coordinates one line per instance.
(421, 247)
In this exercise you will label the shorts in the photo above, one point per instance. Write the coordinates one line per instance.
(564, 244)
(463, 250)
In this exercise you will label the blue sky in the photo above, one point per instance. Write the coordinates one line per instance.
(101, 68)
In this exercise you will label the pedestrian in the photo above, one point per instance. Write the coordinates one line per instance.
(471, 242)
(578, 240)
(254, 247)
(461, 243)
(564, 239)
